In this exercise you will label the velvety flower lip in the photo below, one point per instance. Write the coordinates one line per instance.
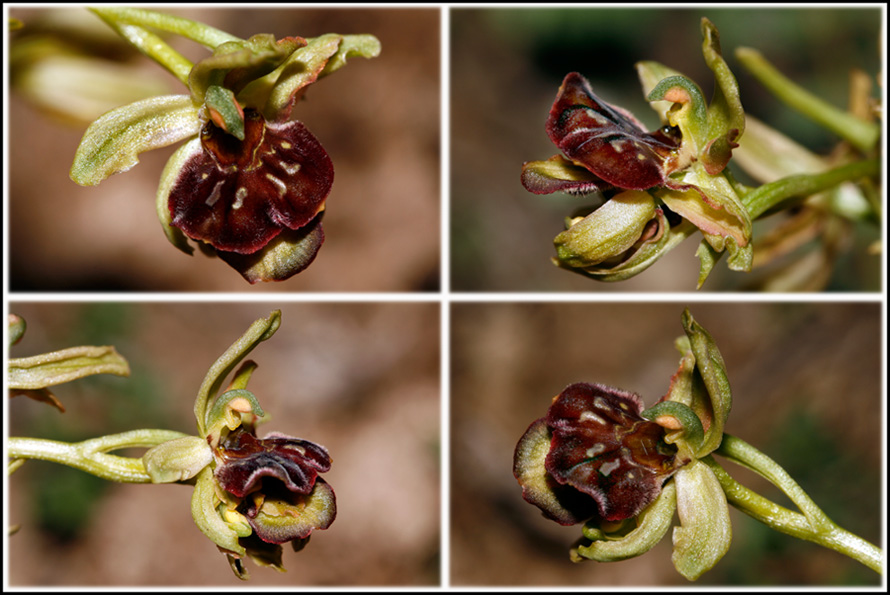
(246, 460)
(607, 140)
(602, 446)
(239, 195)
(279, 516)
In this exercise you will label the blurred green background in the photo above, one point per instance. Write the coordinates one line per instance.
(506, 67)
(806, 385)
(360, 379)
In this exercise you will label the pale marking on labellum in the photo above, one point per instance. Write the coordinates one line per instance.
(607, 468)
(598, 117)
(240, 195)
(596, 449)
(591, 416)
(618, 145)
(600, 403)
(290, 169)
(282, 189)
(214, 196)
(286, 145)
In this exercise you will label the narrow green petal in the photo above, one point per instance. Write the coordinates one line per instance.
(258, 332)
(705, 532)
(111, 143)
(301, 69)
(362, 46)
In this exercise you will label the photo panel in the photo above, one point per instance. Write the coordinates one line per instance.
(805, 384)
(364, 154)
(359, 380)
(601, 188)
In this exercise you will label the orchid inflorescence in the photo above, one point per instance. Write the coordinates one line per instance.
(660, 187)
(600, 459)
(251, 495)
(249, 185)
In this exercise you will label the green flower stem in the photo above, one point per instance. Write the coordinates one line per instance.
(860, 133)
(770, 196)
(91, 455)
(813, 525)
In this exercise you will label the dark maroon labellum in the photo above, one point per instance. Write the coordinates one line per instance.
(238, 195)
(246, 460)
(608, 140)
(602, 446)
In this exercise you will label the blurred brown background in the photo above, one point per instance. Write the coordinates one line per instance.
(506, 67)
(360, 379)
(378, 119)
(806, 382)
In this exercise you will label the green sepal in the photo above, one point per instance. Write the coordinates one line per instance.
(709, 364)
(711, 203)
(111, 144)
(705, 532)
(609, 231)
(258, 332)
(726, 118)
(642, 254)
(277, 91)
(652, 525)
(65, 365)
(207, 516)
(177, 460)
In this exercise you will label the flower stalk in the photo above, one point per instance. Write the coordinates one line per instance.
(861, 134)
(92, 455)
(811, 524)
